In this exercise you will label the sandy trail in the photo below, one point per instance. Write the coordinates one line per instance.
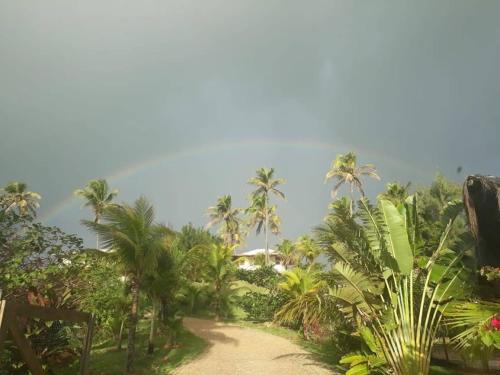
(240, 351)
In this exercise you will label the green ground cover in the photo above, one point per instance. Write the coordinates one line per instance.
(107, 360)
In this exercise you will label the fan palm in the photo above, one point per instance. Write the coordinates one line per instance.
(223, 213)
(137, 242)
(346, 171)
(266, 185)
(98, 197)
(17, 197)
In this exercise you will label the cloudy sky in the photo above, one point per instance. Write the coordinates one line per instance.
(183, 100)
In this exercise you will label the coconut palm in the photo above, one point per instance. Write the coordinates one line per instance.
(346, 171)
(223, 213)
(308, 249)
(137, 242)
(266, 185)
(288, 253)
(97, 196)
(258, 213)
(17, 197)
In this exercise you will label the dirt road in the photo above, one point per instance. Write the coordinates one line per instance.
(240, 351)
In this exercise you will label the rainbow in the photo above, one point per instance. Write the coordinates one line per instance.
(199, 150)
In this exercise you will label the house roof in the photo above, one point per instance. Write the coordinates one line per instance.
(252, 253)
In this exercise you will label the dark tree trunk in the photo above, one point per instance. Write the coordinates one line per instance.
(132, 323)
(482, 205)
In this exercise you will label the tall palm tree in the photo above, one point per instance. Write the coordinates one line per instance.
(259, 212)
(266, 185)
(17, 197)
(308, 249)
(137, 243)
(223, 213)
(346, 171)
(97, 196)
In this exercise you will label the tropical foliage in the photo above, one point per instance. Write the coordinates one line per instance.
(386, 281)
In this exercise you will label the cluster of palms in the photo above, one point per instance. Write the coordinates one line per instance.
(138, 244)
(260, 214)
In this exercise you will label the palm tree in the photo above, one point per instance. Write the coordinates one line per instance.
(162, 284)
(308, 249)
(288, 253)
(259, 213)
(17, 197)
(223, 213)
(308, 302)
(137, 242)
(345, 170)
(97, 196)
(220, 271)
(266, 185)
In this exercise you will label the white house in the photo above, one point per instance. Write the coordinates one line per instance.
(247, 259)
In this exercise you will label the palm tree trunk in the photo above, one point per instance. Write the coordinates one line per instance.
(352, 199)
(97, 234)
(152, 330)
(120, 335)
(265, 232)
(133, 323)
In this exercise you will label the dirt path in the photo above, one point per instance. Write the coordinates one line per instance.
(240, 351)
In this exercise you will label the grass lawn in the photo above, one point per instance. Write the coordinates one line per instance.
(105, 359)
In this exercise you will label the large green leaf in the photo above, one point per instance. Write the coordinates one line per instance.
(396, 236)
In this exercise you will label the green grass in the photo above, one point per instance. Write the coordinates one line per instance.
(105, 359)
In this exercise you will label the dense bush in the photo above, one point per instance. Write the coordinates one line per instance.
(261, 306)
(265, 276)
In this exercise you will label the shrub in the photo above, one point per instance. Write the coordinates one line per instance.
(265, 276)
(260, 306)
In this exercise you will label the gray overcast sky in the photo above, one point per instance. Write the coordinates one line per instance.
(183, 100)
